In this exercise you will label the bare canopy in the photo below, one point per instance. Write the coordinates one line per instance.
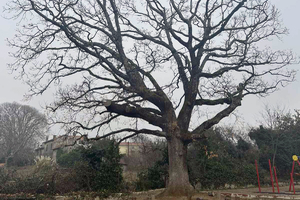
(21, 127)
(153, 60)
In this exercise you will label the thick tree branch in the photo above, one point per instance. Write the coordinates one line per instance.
(236, 101)
(134, 112)
(212, 102)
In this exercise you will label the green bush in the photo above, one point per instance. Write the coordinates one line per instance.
(69, 159)
(154, 177)
(6, 180)
(40, 179)
(245, 174)
(217, 161)
(217, 175)
(96, 167)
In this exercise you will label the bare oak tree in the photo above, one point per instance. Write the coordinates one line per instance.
(156, 61)
(21, 126)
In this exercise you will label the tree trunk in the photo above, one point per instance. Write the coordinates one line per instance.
(178, 184)
(6, 160)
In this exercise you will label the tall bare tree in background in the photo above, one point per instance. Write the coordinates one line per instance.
(21, 127)
(160, 62)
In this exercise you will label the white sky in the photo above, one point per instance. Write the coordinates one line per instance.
(288, 97)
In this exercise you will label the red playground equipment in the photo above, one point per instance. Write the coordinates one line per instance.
(295, 159)
(271, 175)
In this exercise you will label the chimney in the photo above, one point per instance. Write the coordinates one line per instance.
(54, 137)
(47, 137)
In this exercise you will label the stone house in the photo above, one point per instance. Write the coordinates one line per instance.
(50, 147)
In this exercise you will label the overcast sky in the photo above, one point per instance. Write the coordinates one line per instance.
(288, 97)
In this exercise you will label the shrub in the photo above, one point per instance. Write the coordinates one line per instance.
(217, 175)
(40, 179)
(6, 180)
(96, 167)
(69, 159)
(154, 177)
(217, 161)
(245, 174)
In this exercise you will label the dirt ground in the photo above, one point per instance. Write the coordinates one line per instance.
(228, 194)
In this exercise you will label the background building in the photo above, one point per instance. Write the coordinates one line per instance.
(53, 143)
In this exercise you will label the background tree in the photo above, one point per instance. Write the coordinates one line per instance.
(21, 127)
(278, 142)
(221, 160)
(160, 62)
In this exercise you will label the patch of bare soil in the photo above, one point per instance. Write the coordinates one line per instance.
(230, 194)
(151, 195)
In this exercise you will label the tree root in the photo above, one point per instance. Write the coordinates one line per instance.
(178, 193)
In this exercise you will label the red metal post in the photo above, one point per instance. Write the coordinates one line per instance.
(292, 182)
(292, 173)
(271, 175)
(275, 174)
(257, 177)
